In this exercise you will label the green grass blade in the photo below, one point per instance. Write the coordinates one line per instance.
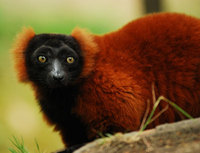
(12, 150)
(177, 107)
(19, 145)
(108, 135)
(38, 147)
(151, 114)
(156, 105)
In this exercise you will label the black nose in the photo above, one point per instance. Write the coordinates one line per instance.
(58, 77)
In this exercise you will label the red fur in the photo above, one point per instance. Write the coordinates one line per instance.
(160, 49)
(90, 49)
(120, 68)
(18, 50)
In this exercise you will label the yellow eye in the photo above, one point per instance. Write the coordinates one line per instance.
(70, 60)
(42, 59)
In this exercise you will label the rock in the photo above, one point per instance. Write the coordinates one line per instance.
(179, 137)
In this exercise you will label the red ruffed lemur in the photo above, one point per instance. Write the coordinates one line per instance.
(88, 84)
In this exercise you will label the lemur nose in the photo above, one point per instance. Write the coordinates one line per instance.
(58, 76)
(57, 72)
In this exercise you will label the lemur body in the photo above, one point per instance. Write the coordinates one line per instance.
(88, 84)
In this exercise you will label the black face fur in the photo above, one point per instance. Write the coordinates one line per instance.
(53, 60)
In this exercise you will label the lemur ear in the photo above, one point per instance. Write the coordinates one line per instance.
(18, 51)
(89, 48)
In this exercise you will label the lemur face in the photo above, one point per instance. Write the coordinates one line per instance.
(53, 60)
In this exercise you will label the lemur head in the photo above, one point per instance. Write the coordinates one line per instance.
(53, 60)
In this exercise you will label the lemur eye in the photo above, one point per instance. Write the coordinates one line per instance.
(70, 60)
(42, 59)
